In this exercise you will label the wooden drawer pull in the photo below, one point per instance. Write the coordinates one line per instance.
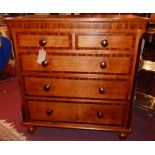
(49, 112)
(44, 63)
(100, 114)
(101, 90)
(46, 87)
(103, 64)
(42, 42)
(104, 43)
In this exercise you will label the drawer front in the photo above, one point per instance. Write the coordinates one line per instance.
(102, 114)
(105, 41)
(89, 64)
(79, 88)
(53, 40)
(49, 111)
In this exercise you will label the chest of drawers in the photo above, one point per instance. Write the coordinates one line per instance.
(87, 78)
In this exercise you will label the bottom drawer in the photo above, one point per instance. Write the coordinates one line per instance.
(102, 114)
(80, 113)
(49, 111)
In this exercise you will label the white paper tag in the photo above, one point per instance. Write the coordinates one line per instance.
(41, 56)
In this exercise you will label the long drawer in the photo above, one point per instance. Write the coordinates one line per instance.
(80, 113)
(78, 88)
(91, 64)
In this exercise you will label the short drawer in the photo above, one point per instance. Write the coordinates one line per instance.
(53, 40)
(78, 88)
(78, 64)
(52, 111)
(104, 41)
(102, 114)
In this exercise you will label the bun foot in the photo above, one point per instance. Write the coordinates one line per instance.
(31, 129)
(122, 135)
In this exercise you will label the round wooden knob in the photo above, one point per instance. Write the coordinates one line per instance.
(42, 42)
(49, 112)
(44, 63)
(46, 87)
(103, 64)
(101, 90)
(100, 114)
(104, 43)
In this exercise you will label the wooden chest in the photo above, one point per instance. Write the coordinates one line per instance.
(87, 77)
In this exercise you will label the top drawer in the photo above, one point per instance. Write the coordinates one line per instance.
(107, 41)
(53, 40)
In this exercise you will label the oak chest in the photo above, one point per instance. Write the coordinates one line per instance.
(85, 75)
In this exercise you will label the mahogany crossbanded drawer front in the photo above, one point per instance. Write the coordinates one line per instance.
(106, 64)
(74, 112)
(79, 88)
(102, 114)
(86, 77)
(54, 40)
(103, 41)
(49, 111)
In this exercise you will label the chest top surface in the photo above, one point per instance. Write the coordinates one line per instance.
(83, 17)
